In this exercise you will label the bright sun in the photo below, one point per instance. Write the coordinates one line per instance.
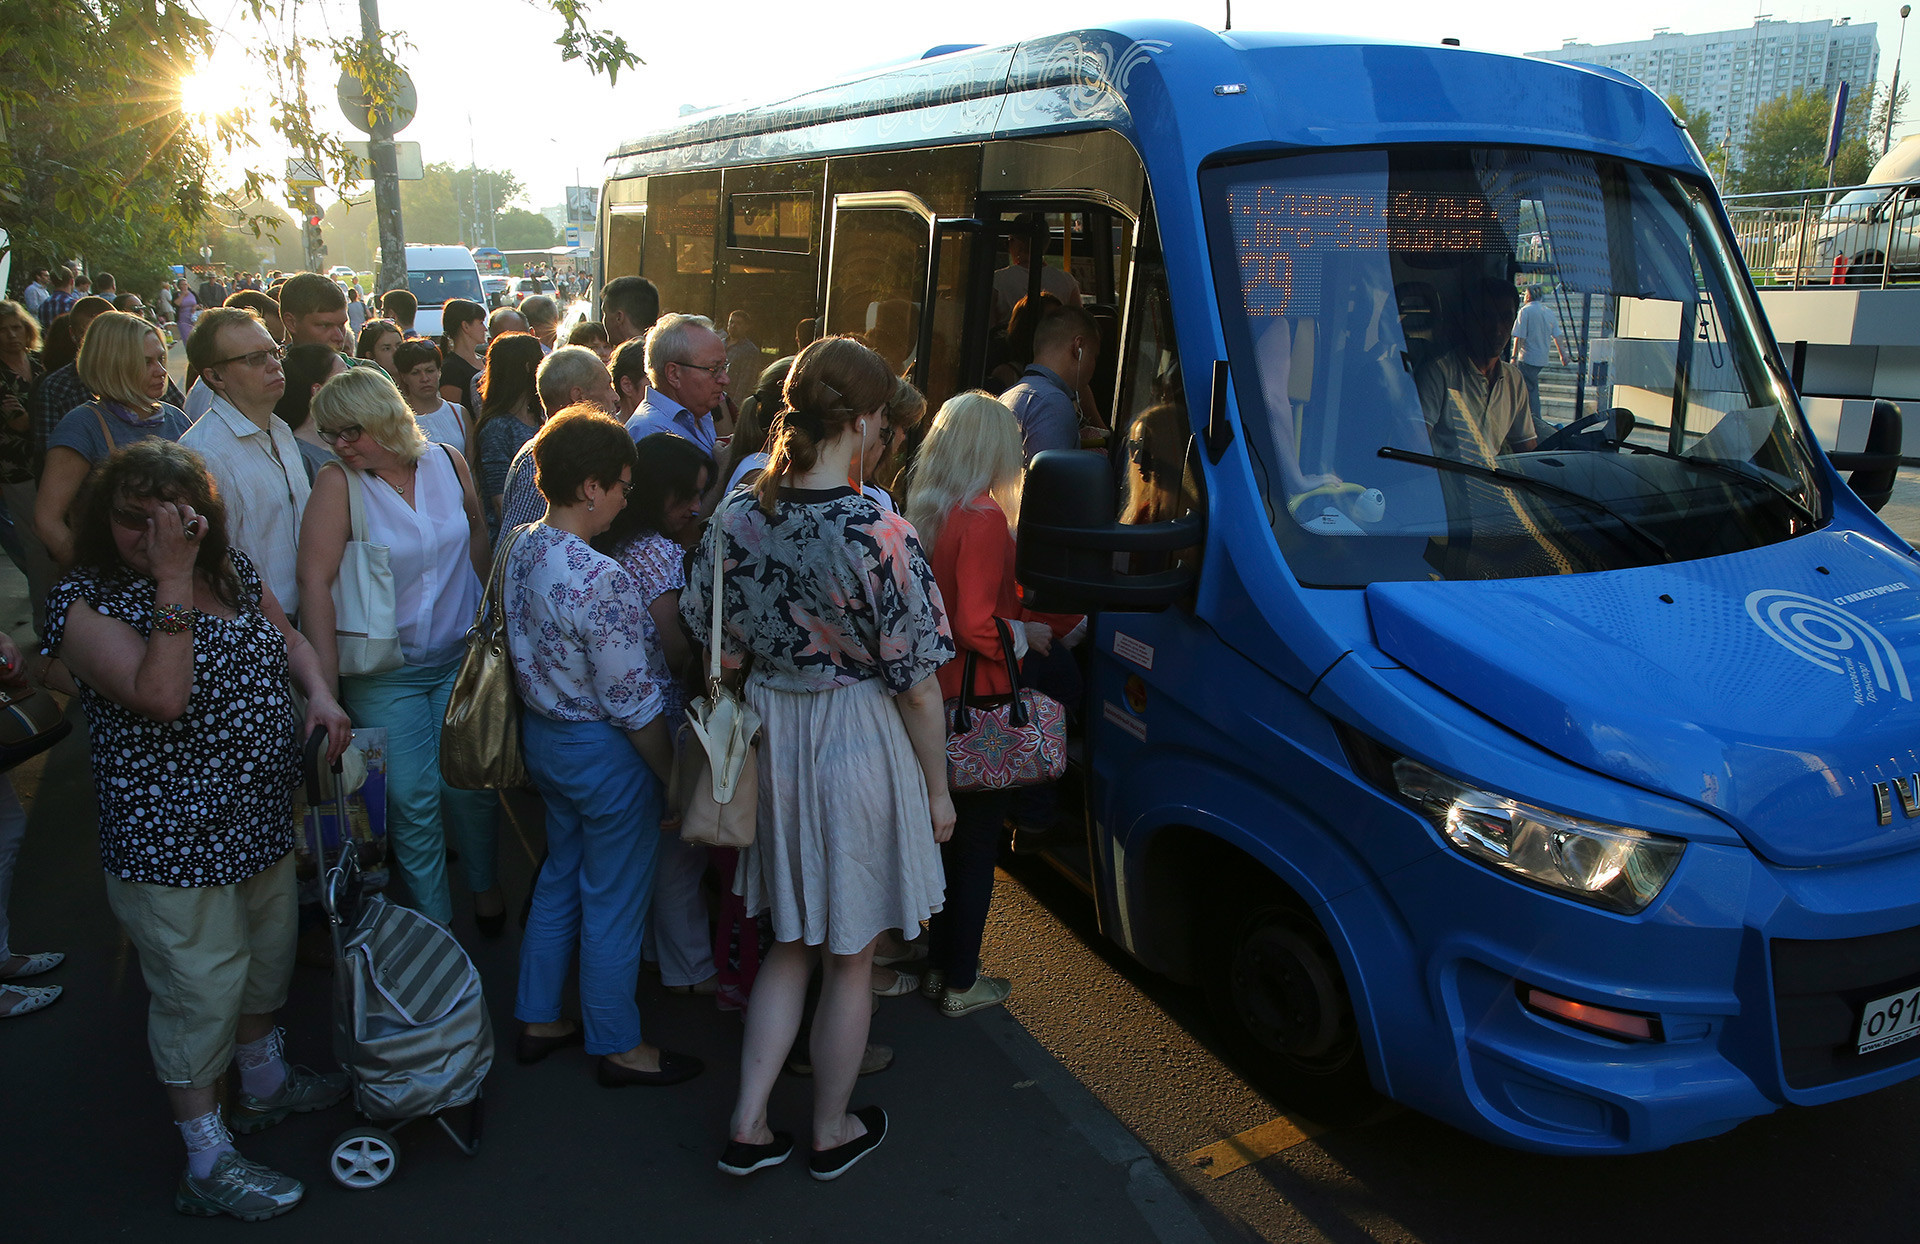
(208, 91)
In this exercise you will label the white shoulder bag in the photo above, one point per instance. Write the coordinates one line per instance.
(366, 628)
(720, 791)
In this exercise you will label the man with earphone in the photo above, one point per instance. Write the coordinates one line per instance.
(1046, 400)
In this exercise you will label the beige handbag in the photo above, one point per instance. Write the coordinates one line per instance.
(719, 769)
(480, 736)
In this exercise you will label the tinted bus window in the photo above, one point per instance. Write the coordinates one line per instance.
(682, 214)
(770, 263)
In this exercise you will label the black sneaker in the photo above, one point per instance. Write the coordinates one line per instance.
(740, 1158)
(832, 1163)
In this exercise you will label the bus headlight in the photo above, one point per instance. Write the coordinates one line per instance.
(1609, 866)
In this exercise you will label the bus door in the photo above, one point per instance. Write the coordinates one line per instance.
(1144, 504)
(1084, 243)
(898, 278)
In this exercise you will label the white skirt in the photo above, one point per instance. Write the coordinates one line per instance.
(843, 849)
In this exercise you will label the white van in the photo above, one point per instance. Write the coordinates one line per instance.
(436, 274)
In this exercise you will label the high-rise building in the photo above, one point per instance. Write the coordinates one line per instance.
(1729, 73)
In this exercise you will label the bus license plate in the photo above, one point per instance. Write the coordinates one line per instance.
(1889, 1020)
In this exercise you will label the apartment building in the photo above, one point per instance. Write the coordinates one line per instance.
(1730, 73)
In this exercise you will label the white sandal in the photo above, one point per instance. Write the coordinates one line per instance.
(46, 961)
(32, 999)
(904, 983)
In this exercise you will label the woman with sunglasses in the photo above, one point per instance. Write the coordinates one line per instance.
(123, 363)
(418, 500)
(183, 658)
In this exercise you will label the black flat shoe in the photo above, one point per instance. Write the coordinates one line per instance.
(740, 1158)
(491, 926)
(674, 1069)
(531, 1049)
(837, 1161)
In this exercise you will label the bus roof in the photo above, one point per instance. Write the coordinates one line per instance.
(1266, 89)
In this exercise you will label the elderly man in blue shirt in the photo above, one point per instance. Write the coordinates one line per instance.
(1046, 399)
(687, 364)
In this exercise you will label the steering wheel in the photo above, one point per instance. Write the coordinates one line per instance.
(1339, 491)
(1580, 433)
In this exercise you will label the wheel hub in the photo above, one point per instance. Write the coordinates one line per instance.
(1284, 991)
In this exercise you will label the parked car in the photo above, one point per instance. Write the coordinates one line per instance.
(341, 273)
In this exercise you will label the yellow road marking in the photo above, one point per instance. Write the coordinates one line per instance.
(1229, 1155)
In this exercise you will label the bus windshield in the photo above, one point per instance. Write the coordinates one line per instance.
(1458, 362)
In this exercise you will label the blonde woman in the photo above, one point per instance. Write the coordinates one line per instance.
(420, 503)
(965, 499)
(123, 363)
(832, 598)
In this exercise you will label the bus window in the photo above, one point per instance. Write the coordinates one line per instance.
(682, 211)
(1085, 252)
(770, 261)
(626, 233)
(1155, 452)
(879, 274)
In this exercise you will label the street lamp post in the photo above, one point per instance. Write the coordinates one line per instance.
(1893, 92)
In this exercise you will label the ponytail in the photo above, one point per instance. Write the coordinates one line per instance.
(833, 381)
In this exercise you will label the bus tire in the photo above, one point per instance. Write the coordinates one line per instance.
(1277, 994)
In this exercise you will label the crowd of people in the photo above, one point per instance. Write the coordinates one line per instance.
(184, 552)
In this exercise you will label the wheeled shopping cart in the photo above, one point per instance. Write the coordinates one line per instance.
(410, 1023)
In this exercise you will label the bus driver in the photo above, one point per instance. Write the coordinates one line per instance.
(1475, 403)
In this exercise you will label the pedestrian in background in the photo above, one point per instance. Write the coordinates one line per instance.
(19, 371)
(834, 600)
(463, 339)
(356, 311)
(419, 503)
(416, 365)
(183, 658)
(15, 965)
(124, 366)
(510, 412)
(377, 341)
(598, 750)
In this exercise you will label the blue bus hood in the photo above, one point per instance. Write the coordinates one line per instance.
(1775, 687)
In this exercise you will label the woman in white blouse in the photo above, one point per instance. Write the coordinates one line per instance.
(597, 748)
(418, 500)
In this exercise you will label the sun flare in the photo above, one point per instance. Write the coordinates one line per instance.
(209, 91)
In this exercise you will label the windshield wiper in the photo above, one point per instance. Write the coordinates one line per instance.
(1515, 479)
(1729, 471)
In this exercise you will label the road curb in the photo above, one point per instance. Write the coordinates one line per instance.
(1160, 1203)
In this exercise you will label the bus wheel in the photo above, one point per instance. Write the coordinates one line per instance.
(1276, 991)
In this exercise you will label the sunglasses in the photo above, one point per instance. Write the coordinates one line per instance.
(343, 436)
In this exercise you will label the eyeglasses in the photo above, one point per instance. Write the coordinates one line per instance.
(886, 434)
(132, 520)
(342, 436)
(716, 371)
(255, 358)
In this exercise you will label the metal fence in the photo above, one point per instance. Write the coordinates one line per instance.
(1845, 237)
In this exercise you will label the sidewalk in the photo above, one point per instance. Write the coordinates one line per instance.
(989, 1136)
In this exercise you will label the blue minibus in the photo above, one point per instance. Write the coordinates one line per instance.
(1503, 710)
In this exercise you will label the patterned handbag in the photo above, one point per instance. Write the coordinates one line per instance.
(1019, 740)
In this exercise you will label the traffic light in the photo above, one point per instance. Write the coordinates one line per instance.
(315, 246)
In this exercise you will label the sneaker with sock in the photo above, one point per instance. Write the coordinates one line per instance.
(246, 1190)
(984, 992)
(302, 1090)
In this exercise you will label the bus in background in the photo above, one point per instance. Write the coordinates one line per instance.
(1540, 757)
(492, 266)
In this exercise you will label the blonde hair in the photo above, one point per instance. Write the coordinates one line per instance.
(9, 307)
(833, 382)
(973, 448)
(113, 362)
(365, 397)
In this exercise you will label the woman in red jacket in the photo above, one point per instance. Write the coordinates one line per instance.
(966, 497)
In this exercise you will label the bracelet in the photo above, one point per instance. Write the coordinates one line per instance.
(173, 619)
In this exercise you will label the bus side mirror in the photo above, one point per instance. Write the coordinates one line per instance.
(1068, 541)
(1875, 469)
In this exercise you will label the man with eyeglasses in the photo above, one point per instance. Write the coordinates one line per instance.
(252, 456)
(687, 363)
